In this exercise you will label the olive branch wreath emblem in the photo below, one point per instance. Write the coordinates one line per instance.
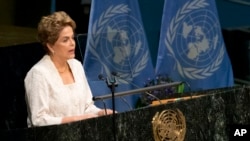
(191, 73)
(97, 29)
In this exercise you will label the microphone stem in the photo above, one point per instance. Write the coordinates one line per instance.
(113, 106)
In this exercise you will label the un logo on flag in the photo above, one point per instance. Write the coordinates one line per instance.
(197, 42)
(118, 42)
(194, 41)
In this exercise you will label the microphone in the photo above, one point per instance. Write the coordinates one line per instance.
(111, 84)
(113, 79)
(101, 77)
(116, 74)
(110, 81)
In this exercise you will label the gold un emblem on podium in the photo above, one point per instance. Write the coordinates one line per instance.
(169, 125)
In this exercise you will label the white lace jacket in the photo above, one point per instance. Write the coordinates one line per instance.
(48, 99)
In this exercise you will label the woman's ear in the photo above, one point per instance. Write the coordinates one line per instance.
(50, 47)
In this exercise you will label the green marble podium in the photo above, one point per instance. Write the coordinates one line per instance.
(208, 117)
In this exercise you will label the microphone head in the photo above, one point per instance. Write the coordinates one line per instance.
(101, 77)
(115, 74)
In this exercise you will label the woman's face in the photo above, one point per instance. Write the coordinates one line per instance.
(64, 47)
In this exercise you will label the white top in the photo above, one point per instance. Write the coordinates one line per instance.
(49, 100)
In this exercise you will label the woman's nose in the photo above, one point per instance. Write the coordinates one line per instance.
(72, 42)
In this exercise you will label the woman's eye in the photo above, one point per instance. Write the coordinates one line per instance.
(65, 40)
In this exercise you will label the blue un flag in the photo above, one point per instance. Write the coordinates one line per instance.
(117, 45)
(191, 47)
